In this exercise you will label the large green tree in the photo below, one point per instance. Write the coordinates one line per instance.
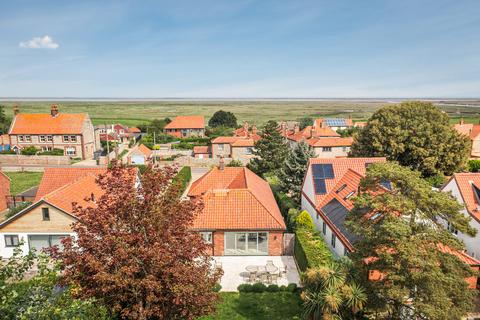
(402, 238)
(4, 121)
(293, 170)
(224, 119)
(270, 151)
(417, 135)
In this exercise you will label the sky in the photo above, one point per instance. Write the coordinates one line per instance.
(240, 49)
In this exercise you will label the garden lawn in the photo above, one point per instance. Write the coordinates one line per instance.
(21, 181)
(258, 306)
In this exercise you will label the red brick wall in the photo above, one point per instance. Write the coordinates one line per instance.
(275, 243)
(218, 243)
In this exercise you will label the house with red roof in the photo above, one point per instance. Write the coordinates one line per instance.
(246, 132)
(139, 155)
(327, 190)
(236, 148)
(44, 223)
(202, 152)
(186, 126)
(240, 215)
(473, 132)
(72, 133)
(465, 187)
(322, 137)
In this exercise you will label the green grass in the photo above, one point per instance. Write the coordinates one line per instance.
(258, 306)
(21, 181)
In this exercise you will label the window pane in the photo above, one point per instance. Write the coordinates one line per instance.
(38, 242)
(57, 241)
(252, 242)
(263, 242)
(241, 242)
(229, 243)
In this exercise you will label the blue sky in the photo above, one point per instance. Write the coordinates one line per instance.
(240, 49)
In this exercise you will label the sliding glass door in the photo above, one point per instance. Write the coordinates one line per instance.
(246, 243)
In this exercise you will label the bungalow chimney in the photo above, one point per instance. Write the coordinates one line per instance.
(296, 128)
(254, 129)
(311, 131)
(54, 110)
(16, 110)
(284, 128)
(245, 126)
(221, 164)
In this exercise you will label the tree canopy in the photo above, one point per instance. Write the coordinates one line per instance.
(223, 118)
(293, 170)
(417, 135)
(135, 251)
(270, 151)
(4, 121)
(403, 239)
(305, 122)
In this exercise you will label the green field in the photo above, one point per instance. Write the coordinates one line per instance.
(256, 112)
(21, 181)
(258, 306)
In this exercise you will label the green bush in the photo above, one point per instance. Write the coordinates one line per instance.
(199, 141)
(292, 216)
(304, 220)
(29, 151)
(17, 209)
(259, 287)
(273, 288)
(474, 165)
(217, 287)
(235, 163)
(311, 250)
(436, 181)
(292, 287)
(245, 287)
(285, 203)
(183, 145)
(7, 152)
(182, 179)
(283, 288)
(54, 152)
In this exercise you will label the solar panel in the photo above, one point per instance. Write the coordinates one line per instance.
(323, 171)
(320, 187)
(335, 122)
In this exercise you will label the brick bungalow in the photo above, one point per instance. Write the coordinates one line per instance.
(186, 126)
(241, 216)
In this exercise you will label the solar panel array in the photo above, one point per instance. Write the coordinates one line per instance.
(336, 122)
(320, 173)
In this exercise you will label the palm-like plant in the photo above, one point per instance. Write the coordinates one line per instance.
(329, 290)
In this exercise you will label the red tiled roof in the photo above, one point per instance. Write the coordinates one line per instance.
(236, 199)
(465, 183)
(76, 192)
(330, 142)
(243, 143)
(201, 149)
(225, 139)
(340, 167)
(187, 122)
(145, 150)
(459, 254)
(468, 129)
(109, 137)
(54, 178)
(134, 130)
(235, 141)
(39, 123)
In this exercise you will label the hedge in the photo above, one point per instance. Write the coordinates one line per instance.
(285, 203)
(183, 178)
(311, 250)
(260, 287)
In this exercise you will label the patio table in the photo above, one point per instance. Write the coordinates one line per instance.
(255, 268)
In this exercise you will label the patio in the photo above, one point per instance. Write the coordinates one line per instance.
(235, 272)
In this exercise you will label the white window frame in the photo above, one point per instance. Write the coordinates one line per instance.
(207, 237)
(49, 138)
(28, 138)
(221, 146)
(66, 138)
(14, 240)
(73, 138)
(42, 138)
(67, 149)
(326, 149)
(21, 138)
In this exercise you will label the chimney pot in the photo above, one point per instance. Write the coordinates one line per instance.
(54, 110)
(221, 164)
(254, 129)
(296, 128)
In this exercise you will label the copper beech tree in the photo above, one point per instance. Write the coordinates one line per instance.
(135, 252)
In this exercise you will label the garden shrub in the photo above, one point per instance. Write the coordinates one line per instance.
(217, 287)
(245, 287)
(292, 287)
(311, 250)
(273, 288)
(29, 151)
(19, 207)
(182, 179)
(259, 287)
(474, 165)
(283, 288)
(54, 152)
(235, 163)
(7, 152)
(304, 220)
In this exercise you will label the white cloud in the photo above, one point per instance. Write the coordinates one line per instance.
(45, 42)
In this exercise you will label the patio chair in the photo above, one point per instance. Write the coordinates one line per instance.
(264, 277)
(283, 272)
(274, 278)
(252, 277)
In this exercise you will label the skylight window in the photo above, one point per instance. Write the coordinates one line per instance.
(341, 188)
(351, 193)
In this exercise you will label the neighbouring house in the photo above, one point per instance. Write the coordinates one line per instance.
(139, 155)
(117, 132)
(202, 152)
(186, 126)
(246, 132)
(48, 220)
(334, 123)
(473, 132)
(4, 191)
(465, 187)
(323, 139)
(240, 214)
(72, 133)
(236, 148)
(4, 142)
(327, 192)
